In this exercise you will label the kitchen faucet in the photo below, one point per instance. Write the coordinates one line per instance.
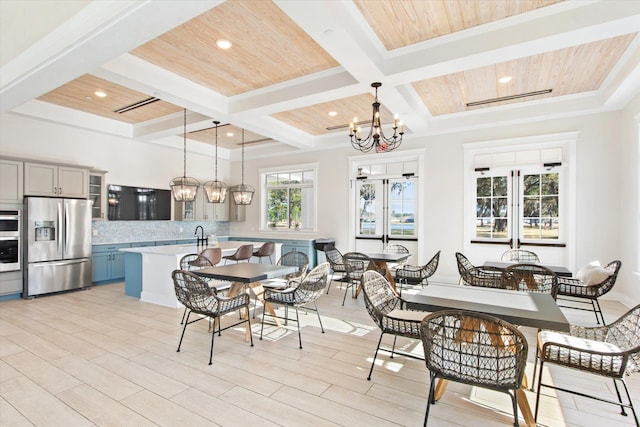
(201, 239)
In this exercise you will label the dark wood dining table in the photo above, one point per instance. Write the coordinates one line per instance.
(502, 265)
(382, 258)
(536, 310)
(245, 275)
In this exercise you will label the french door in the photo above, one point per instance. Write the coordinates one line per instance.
(387, 213)
(521, 208)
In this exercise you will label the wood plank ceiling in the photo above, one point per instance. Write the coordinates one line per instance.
(270, 48)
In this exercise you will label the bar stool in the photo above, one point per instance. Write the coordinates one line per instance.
(243, 253)
(266, 250)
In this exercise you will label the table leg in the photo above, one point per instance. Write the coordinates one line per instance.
(257, 288)
(441, 386)
(523, 403)
(381, 265)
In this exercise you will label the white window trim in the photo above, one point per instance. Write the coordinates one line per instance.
(263, 195)
(566, 141)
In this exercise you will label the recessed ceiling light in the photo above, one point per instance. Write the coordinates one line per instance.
(505, 79)
(229, 134)
(100, 93)
(333, 113)
(223, 44)
(88, 98)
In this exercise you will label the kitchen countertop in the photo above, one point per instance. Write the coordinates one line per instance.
(188, 249)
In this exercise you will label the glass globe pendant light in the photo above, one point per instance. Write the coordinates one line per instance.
(216, 190)
(184, 188)
(242, 194)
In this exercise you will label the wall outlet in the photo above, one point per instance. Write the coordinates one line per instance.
(180, 229)
(94, 232)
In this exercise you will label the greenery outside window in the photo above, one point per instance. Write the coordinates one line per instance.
(290, 200)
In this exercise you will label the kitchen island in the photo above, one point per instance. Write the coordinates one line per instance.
(148, 269)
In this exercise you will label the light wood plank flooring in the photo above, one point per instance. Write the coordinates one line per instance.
(100, 358)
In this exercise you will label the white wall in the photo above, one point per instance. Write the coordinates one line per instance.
(606, 199)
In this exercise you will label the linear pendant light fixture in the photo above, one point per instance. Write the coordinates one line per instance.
(184, 188)
(376, 139)
(242, 194)
(216, 190)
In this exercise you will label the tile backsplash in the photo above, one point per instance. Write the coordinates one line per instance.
(143, 231)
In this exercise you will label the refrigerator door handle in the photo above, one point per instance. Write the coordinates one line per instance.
(59, 230)
(66, 228)
(56, 263)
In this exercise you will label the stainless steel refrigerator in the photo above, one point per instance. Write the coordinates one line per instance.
(57, 233)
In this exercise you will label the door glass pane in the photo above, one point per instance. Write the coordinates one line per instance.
(492, 207)
(367, 212)
(402, 209)
(540, 207)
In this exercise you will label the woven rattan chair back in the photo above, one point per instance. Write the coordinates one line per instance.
(313, 285)
(214, 255)
(379, 296)
(417, 275)
(463, 263)
(335, 259)
(520, 255)
(476, 349)
(534, 278)
(295, 259)
(487, 277)
(192, 262)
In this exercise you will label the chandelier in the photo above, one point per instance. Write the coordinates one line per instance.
(184, 188)
(376, 139)
(242, 194)
(216, 190)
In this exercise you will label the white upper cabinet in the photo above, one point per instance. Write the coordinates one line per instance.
(57, 181)
(11, 190)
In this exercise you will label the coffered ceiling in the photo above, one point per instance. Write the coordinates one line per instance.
(292, 63)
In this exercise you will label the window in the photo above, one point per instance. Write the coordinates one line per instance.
(289, 199)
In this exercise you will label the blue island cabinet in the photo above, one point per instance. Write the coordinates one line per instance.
(107, 262)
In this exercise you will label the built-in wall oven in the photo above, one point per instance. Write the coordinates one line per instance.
(9, 240)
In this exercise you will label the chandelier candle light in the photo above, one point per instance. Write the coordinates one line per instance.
(242, 194)
(376, 139)
(216, 190)
(184, 188)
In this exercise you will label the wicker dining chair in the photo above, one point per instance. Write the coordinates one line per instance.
(520, 255)
(300, 296)
(415, 274)
(355, 264)
(534, 278)
(611, 351)
(574, 290)
(336, 263)
(475, 349)
(389, 313)
(396, 249)
(463, 264)
(487, 277)
(199, 298)
(192, 262)
(291, 259)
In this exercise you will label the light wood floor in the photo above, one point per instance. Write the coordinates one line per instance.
(100, 358)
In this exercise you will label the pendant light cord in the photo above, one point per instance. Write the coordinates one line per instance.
(243, 157)
(184, 135)
(216, 123)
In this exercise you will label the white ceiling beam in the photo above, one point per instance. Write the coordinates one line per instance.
(100, 31)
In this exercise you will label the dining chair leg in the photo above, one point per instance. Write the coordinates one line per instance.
(298, 322)
(633, 411)
(598, 310)
(330, 279)
(432, 388)
(213, 335)
(184, 328)
(514, 401)
(535, 415)
(344, 298)
(184, 313)
(622, 411)
(393, 348)
(375, 356)
(250, 332)
(318, 314)
(262, 326)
